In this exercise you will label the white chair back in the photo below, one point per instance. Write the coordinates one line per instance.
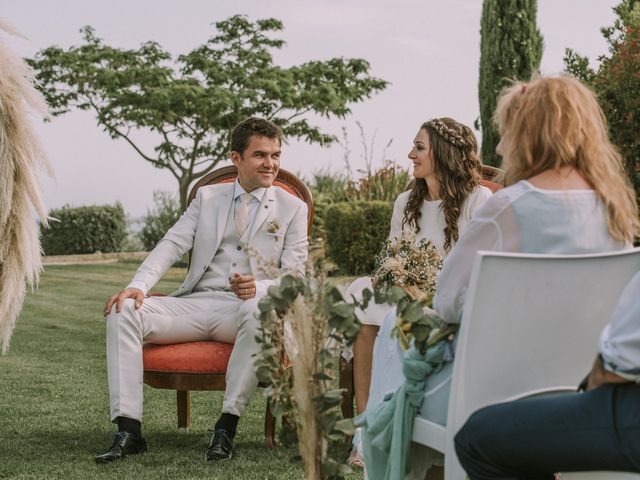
(531, 323)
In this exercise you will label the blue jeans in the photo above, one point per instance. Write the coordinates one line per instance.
(533, 438)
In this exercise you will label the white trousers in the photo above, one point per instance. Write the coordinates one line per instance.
(199, 316)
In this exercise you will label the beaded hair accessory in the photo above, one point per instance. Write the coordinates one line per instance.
(448, 134)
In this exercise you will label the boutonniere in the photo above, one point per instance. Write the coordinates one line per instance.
(273, 227)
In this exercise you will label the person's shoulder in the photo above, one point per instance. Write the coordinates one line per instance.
(503, 199)
(208, 191)
(482, 190)
(480, 193)
(402, 199)
(475, 200)
(285, 197)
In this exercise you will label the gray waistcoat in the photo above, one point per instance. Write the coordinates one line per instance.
(229, 258)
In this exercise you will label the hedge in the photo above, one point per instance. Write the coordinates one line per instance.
(355, 233)
(89, 229)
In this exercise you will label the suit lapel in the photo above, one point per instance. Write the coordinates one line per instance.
(264, 211)
(224, 210)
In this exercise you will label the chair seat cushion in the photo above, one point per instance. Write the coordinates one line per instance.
(192, 357)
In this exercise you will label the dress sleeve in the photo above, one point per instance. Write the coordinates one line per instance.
(476, 200)
(396, 217)
(620, 339)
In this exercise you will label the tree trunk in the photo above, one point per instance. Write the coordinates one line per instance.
(184, 192)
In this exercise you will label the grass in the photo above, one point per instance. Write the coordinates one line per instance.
(54, 405)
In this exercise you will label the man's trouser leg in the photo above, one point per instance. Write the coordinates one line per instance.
(533, 438)
(162, 320)
(241, 377)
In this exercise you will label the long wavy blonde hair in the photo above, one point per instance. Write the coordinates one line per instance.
(555, 122)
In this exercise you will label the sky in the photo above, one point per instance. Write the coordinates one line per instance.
(428, 50)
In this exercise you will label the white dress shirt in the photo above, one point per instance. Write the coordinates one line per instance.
(257, 194)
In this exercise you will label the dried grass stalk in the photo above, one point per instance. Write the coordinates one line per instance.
(308, 338)
(21, 158)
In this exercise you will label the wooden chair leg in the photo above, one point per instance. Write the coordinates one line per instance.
(345, 381)
(184, 408)
(269, 428)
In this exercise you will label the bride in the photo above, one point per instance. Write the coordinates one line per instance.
(444, 196)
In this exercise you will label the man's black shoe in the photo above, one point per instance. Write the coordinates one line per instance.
(124, 444)
(220, 447)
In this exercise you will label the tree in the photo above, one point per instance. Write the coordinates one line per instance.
(193, 102)
(617, 83)
(510, 49)
(158, 220)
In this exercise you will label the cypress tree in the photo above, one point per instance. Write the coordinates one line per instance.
(510, 49)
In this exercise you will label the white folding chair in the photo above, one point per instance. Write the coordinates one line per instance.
(530, 325)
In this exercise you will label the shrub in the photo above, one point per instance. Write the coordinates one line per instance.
(355, 233)
(328, 188)
(133, 243)
(385, 183)
(160, 219)
(89, 229)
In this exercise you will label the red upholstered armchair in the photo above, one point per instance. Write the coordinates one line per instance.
(203, 365)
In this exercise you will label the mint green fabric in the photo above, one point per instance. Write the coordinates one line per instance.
(388, 426)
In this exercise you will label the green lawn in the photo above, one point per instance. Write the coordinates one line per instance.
(54, 408)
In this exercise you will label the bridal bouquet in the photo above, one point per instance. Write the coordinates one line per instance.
(406, 268)
(410, 265)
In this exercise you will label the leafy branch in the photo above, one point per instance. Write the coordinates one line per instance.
(308, 324)
(193, 101)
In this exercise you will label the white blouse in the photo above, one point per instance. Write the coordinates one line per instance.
(527, 219)
(432, 221)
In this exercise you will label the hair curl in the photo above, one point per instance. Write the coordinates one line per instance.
(555, 122)
(457, 168)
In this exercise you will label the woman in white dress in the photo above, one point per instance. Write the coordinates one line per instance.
(566, 193)
(445, 195)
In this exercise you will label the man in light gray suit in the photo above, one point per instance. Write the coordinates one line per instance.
(219, 296)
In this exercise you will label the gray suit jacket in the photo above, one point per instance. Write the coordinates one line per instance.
(201, 226)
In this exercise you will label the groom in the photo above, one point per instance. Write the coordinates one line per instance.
(219, 296)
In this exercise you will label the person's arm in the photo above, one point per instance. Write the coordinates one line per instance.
(619, 359)
(397, 216)
(453, 279)
(599, 375)
(176, 242)
(295, 248)
(476, 200)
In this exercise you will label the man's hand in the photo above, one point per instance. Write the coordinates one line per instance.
(244, 286)
(119, 299)
(599, 376)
